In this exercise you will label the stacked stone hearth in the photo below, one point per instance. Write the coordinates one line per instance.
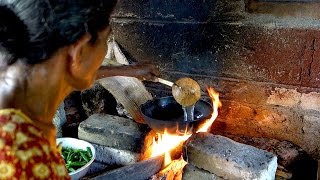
(119, 141)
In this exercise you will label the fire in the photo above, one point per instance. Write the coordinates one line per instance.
(167, 142)
(216, 103)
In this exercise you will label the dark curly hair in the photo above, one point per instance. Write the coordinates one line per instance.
(32, 30)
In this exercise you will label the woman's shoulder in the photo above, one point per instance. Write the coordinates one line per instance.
(23, 148)
(17, 126)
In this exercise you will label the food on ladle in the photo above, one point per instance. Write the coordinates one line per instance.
(186, 91)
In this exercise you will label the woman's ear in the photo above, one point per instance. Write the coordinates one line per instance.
(76, 49)
(75, 53)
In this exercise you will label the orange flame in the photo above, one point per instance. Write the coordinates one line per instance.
(167, 142)
(216, 103)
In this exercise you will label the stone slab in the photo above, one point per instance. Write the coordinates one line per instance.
(112, 131)
(191, 172)
(229, 159)
(112, 156)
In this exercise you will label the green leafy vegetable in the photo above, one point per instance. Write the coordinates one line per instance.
(75, 158)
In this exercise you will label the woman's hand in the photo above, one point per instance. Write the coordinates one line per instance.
(146, 71)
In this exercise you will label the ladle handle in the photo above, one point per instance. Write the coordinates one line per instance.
(165, 82)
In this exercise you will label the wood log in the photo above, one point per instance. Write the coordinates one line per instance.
(128, 91)
(138, 171)
(172, 172)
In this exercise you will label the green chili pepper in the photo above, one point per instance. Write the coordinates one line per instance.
(75, 158)
(78, 164)
(84, 156)
(89, 151)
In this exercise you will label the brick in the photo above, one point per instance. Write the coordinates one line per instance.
(112, 131)
(277, 122)
(112, 156)
(191, 172)
(310, 101)
(311, 126)
(285, 8)
(310, 64)
(192, 10)
(229, 159)
(284, 97)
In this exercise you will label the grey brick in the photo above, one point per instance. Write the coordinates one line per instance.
(113, 131)
(191, 172)
(112, 156)
(229, 159)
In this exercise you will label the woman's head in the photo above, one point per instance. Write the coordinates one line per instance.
(33, 30)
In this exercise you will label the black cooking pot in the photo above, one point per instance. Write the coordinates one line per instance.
(165, 113)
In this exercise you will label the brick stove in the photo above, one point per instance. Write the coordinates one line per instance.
(261, 55)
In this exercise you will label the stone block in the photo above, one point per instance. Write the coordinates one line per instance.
(310, 127)
(229, 159)
(112, 156)
(310, 101)
(284, 97)
(290, 156)
(191, 172)
(112, 131)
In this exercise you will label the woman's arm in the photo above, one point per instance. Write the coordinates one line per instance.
(144, 71)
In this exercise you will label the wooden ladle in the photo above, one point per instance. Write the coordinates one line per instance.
(185, 91)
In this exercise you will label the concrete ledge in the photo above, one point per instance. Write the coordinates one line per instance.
(191, 172)
(113, 131)
(112, 156)
(229, 159)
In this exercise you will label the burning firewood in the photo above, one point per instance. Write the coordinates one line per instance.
(172, 172)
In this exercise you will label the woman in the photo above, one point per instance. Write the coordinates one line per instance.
(48, 48)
